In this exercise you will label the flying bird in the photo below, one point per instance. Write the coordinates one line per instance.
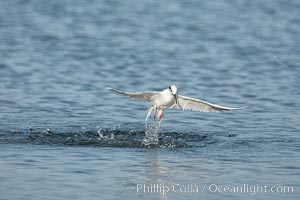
(168, 98)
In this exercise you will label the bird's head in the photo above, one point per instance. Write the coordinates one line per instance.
(173, 89)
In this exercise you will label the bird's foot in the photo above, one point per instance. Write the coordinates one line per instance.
(160, 117)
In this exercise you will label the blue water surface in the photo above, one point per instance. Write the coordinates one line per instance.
(64, 136)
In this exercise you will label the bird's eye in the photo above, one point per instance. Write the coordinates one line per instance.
(170, 88)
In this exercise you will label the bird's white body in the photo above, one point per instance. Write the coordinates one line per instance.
(161, 101)
(164, 99)
(168, 98)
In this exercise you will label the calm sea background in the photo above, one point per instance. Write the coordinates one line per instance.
(64, 136)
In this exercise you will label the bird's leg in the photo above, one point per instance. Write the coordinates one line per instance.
(160, 117)
(154, 116)
(148, 115)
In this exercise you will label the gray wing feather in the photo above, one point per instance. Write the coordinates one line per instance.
(186, 103)
(142, 96)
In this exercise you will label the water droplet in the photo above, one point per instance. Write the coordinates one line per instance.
(100, 133)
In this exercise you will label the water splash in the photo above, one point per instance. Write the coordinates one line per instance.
(151, 136)
(99, 132)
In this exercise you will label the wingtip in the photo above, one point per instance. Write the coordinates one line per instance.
(230, 108)
(241, 108)
(113, 89)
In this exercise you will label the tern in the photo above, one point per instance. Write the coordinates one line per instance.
(168, 98)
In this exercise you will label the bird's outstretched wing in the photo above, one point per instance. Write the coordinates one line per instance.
(186, 103)
(142, 96)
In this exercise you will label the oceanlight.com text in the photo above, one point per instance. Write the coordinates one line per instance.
(251, 189)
